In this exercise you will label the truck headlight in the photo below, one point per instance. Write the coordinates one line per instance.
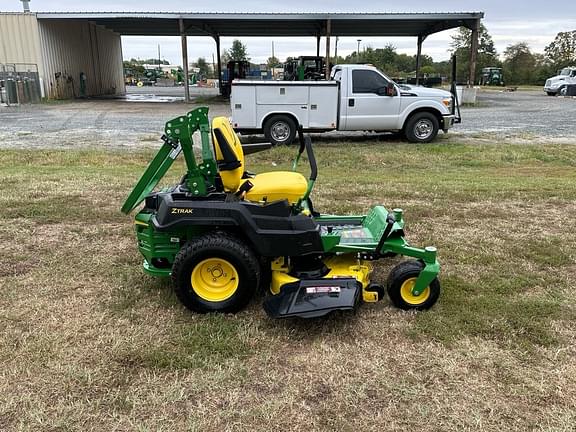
(447, 102)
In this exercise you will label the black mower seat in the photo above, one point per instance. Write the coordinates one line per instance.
(270, 186)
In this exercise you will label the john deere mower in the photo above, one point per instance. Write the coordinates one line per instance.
(222, 233)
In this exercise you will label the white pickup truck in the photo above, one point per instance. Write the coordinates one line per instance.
(356, 98)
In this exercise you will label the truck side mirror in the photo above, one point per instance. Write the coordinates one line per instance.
(390, 89)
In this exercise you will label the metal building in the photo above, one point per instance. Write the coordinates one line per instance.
(80, 53)
(58, 59)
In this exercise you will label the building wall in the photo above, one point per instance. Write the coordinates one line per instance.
(20, 40)
(72, 50)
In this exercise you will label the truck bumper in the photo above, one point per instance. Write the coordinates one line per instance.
(448, 121)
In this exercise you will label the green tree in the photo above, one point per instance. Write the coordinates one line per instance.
(238, 51)
(487, 55)
(273, 62)
(203, 66)
(519, 64)
(562, 50)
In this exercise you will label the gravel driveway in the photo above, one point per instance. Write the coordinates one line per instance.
(511, 116)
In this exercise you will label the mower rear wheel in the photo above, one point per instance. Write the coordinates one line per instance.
(215, 273)
(400, 283)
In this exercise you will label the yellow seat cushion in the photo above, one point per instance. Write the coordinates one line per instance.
(277, 185)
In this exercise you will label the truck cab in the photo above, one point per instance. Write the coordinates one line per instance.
(369, 100)
(557, 85)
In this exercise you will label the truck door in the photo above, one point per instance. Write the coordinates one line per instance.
(367, 106)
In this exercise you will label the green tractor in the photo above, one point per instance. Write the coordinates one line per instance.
(222, 233)
(492, 76)
(305, 68)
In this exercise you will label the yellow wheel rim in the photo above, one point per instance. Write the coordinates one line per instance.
(214, 279)
(408, 297)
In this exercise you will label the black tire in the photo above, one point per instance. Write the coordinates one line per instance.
(562, 91)
(223, 256)
(280, 130)
(421, 127)
(406, 272)
(551, 93)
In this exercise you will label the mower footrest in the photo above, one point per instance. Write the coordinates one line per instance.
(312, 298)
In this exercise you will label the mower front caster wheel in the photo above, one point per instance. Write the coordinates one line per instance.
(400, 283)
(215, 273)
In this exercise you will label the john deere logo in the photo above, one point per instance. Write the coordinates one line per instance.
(182, 211)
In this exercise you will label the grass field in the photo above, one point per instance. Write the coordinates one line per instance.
(89, 342)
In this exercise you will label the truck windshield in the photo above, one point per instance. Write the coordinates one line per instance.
(565, 71)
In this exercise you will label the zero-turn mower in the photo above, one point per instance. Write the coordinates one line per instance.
(223, 232)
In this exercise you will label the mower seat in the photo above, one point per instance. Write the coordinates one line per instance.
(270, 186)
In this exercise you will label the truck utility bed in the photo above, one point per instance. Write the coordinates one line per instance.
(314, 103)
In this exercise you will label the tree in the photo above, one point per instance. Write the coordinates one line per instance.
(519, 64)
(273, 62)
(238, 51)
(203, 66)
(562, 50)
(487, 56)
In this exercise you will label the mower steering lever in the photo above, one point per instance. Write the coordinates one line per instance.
(306, 143)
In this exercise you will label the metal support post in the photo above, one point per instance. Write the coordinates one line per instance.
(328, 33)
(473, 54)
(185, 61)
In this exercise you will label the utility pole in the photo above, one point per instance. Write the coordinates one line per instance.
(272, 49)
(159, 68)
(213, 65)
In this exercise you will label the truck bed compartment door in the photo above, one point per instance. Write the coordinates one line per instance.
(323, 107)
(283, 99)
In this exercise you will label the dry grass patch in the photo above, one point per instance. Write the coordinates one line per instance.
(91, 343)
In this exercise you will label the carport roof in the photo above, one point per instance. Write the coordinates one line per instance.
(272, 24)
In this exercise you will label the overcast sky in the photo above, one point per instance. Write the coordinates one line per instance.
(508, 22)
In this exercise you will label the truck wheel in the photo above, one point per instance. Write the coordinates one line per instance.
(563, 90)
(215, 273)
(400, 283)
(280, 129)
(422, 127)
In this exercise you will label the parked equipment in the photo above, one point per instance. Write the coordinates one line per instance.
(234, 70)
(558, 85)
(492, 76)
(305, 68)
(222, 233)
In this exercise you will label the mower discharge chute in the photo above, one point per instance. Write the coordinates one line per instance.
(223, 232)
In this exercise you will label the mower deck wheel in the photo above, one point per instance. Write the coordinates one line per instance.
(216, 272)
(400, 283)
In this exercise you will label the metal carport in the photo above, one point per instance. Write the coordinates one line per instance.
(216, 25)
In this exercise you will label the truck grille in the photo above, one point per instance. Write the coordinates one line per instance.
(548, 83)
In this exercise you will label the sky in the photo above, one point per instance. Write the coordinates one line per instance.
(507, 22)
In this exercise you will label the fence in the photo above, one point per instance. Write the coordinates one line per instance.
(19, 83)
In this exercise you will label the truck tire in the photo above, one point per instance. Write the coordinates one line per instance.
(280, 130)
(421, 127)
